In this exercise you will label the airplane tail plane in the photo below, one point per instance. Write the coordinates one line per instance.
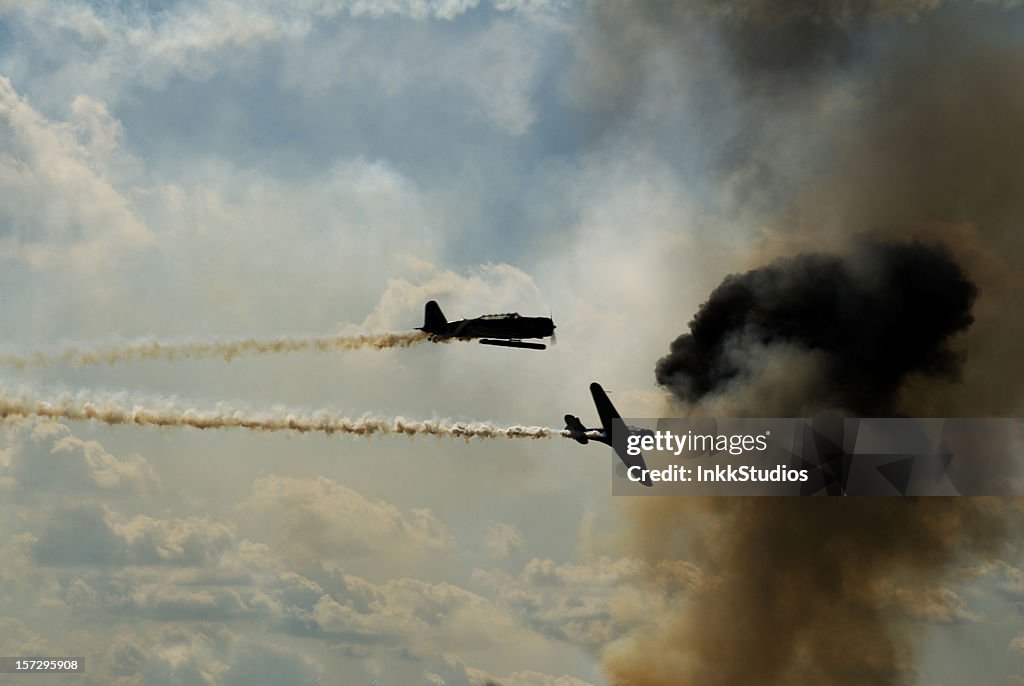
(578, 431)
(434, 320)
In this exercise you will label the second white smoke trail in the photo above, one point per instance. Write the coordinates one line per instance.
(117, 410)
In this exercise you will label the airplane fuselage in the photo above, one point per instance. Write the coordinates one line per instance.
(507, 326)
(507, 330)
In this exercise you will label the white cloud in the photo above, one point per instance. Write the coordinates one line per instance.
(58, 204)
(41, 457)
(501, 540)
(317, 520)
(16, 563)
(483, 289)
(418, 618)
(493, 71)
(18, 639)
(499, 68)
(592, 603)
(197, 40)
(528, 678)
(448, 670)
(936, 604)
(178, 582)
(114, 568)
(210, 656)
(1006, 578)
(95, 535)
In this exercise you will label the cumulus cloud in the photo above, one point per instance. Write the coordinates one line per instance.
(95, 535)
(530, 678)
(592, 603)
(316, 520)
(18, 639)
(184, 569)
(997, 579)
(163, 570)
(411, 617)
(59, 205)
(191, 577)
(449, 670)
(501, 540)
(210, 655)
(481, 290)
(935, 604)
(182, 574)
(43, 457)
(153, 600)
(16, 560)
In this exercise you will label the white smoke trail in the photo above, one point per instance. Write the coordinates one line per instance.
(118, 410)
(229, 349)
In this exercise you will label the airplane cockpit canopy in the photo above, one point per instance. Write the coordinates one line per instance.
(509, 315)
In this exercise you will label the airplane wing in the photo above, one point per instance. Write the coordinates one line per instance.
(605, 410)
(463, 328)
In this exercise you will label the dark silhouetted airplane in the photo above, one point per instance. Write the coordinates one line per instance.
(607, 412)
(506, 330)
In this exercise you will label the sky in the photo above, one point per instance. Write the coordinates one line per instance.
(206, 170)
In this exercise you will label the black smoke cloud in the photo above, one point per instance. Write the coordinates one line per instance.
(871, 319)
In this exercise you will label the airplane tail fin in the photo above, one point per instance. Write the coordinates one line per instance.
(434, 320)
(574, 425)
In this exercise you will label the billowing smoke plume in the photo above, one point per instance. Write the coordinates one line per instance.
(820, 122)
(119, 411)
(228, 349)
(811, 591)
(865, 322)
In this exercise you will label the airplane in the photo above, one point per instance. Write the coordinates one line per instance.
(505, 330)
(607, 412)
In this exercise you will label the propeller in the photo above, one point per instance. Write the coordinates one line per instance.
(554, 338)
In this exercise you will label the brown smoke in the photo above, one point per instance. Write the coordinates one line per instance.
(229, 349)
(838, 120)
(804, 592)
(116, 411)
